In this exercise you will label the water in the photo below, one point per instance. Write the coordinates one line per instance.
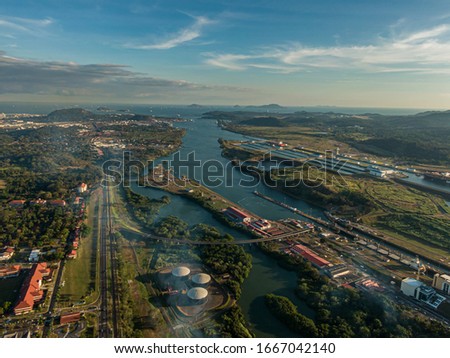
(266, 276)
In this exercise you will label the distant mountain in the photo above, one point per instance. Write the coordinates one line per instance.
(265, 122)
(69, 115)
(267, 106)
(194, 105)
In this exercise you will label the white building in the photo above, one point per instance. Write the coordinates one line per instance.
(34, 255)
(442, 282)
(409, 287)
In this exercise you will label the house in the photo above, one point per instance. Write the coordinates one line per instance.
(7, 253)
(72, 254)
(237, 215)
(34, 255)
(69, 318)
(38, 202)
(60, 203)
(16, 203)
(31, 291)
(82, 188)
(9, 271)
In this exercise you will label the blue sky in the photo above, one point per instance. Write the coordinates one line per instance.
(359, 53)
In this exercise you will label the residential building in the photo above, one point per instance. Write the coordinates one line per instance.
(69, 318)
(72, 254)
(9, 271)
(31, 291)
(60, 203)
(16, 203)
(7, 253)
(82, 188)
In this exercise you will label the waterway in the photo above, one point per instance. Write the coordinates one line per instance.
(266, 275)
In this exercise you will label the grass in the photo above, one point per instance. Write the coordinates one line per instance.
(147, 318)
(80, 274)
(9, 287)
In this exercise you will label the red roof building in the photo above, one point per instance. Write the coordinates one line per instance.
(9, 271)
(311, 256)
(237, 215)
(16, 203)
(31, 289)
(72, 255)
(57, 202)
(69, 318)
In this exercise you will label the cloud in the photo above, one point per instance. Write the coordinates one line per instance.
(24, 76)
(426, 51)
(22, 24)
(184, 35)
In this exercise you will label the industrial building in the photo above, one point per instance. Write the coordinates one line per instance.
(414, 288)
(337, 271)
(181, 272)
(442, 283)
(198, 295)
(237, 215)
(310, 255)
(201, 279)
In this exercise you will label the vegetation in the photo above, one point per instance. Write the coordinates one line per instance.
(231, 259)
(172, 227)
(286, 312)
(35, 226)
(343, 312)
(143, 208)
(413, 138)
(232, 324)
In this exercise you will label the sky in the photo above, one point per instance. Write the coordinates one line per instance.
(353, 53)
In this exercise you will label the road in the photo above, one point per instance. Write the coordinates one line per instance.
(103, 319)
(53, 299)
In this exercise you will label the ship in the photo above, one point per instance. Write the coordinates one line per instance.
(438, 177)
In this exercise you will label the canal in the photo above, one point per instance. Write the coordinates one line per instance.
(266, 275)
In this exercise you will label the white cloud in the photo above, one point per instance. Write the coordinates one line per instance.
(24, 76)
(22, 24)
(184, 35)
(426, 51)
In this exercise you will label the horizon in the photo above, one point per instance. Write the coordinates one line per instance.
(301, 54)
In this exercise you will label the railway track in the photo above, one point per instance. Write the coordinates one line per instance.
(113, 266)
(103, 319)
